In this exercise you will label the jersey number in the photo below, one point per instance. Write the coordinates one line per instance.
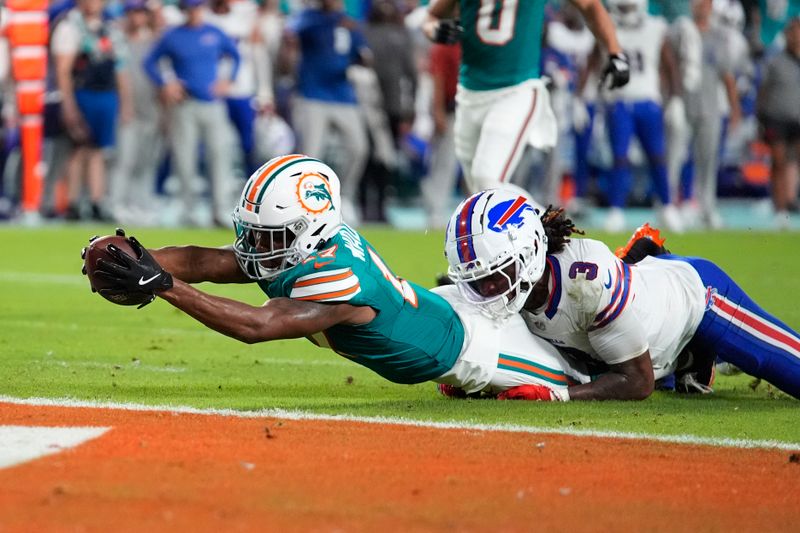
(579, 267)
(402, 286)
(496, 19)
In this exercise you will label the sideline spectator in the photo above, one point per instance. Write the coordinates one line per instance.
(90, 59)
(328, 43)
(141, 140)
(779, 114)
(194, 100)
(704, 111)
(394, 65)
(251, 91)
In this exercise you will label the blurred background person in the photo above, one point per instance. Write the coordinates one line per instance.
(194, 98)
(91, 74)
(251, 91)
(568, 35)
(779, 114)
(636, 109)
(394, 63)
(328, 42)
(503, 104)
(438, 186)
(705, 114)
(141, 141)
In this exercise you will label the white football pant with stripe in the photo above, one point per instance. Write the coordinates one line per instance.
(492, 129)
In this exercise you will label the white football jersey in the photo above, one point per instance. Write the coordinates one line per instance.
(642, 44)
(603, 309)
(239, 24)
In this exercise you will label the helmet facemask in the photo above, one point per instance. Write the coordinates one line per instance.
(263, 252)
(510, 277)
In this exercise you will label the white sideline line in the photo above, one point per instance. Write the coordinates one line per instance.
(398, 421)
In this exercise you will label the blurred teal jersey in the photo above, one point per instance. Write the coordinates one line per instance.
(502, 42)
(416, 335)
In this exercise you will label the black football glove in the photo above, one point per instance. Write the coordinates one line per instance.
(119, 232)
(134, 274)
(617, 72)
(448, 31)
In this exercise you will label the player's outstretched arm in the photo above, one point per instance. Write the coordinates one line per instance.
(279, 318)
(195, 264)
(629, 380)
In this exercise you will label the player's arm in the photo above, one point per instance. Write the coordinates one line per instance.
(279, 318)
(629, 380)
(617, 71)
(600, 24)
(195, 264)
(439, 25)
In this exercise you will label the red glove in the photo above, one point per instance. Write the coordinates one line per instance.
(451, 391)
(527, 392)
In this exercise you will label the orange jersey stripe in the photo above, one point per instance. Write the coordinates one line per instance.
(267, 171)
(323, 279)
(327, 295)
(535, 370)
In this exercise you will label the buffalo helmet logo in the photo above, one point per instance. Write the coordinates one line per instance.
(509, 214)
(314, 193)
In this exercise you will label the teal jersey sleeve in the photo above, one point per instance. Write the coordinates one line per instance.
(416, 335)
(502, 42)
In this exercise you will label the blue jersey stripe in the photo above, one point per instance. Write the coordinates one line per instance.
(623, 300)
(555, 296)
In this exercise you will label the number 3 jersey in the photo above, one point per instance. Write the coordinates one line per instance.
(602, 309)
(415, 337)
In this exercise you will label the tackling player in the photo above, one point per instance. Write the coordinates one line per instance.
(328, 284)
(636, 319)
(502, 105)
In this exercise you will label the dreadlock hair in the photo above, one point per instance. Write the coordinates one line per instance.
(558, 229)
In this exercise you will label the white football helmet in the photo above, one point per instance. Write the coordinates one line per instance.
(289, 207)
(627, 13)
(496, 235)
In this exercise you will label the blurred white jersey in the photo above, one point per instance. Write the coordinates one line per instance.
(642, 44)
(240, 25)
(578, 45)
(603, 309)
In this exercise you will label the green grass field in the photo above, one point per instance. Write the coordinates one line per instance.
(59, 340)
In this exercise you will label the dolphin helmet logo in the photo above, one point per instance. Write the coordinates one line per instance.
(314, 193)
(318, 192)
(509, 214)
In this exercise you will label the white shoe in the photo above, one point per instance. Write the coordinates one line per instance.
(670, 218)
(713, 220)
(782, 221)
(615, 221)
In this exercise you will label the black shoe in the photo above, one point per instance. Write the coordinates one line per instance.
(99, 214)
(72, 213)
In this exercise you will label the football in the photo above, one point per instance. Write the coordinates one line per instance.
(98, 249)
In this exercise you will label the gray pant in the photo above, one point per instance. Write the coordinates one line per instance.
(139, 150)
(706, 133)
(193, 121)
(313, 120)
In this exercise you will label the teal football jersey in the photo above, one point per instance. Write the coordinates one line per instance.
(502, 42)
(416, 335)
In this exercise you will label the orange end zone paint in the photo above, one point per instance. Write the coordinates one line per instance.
(159, 471)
